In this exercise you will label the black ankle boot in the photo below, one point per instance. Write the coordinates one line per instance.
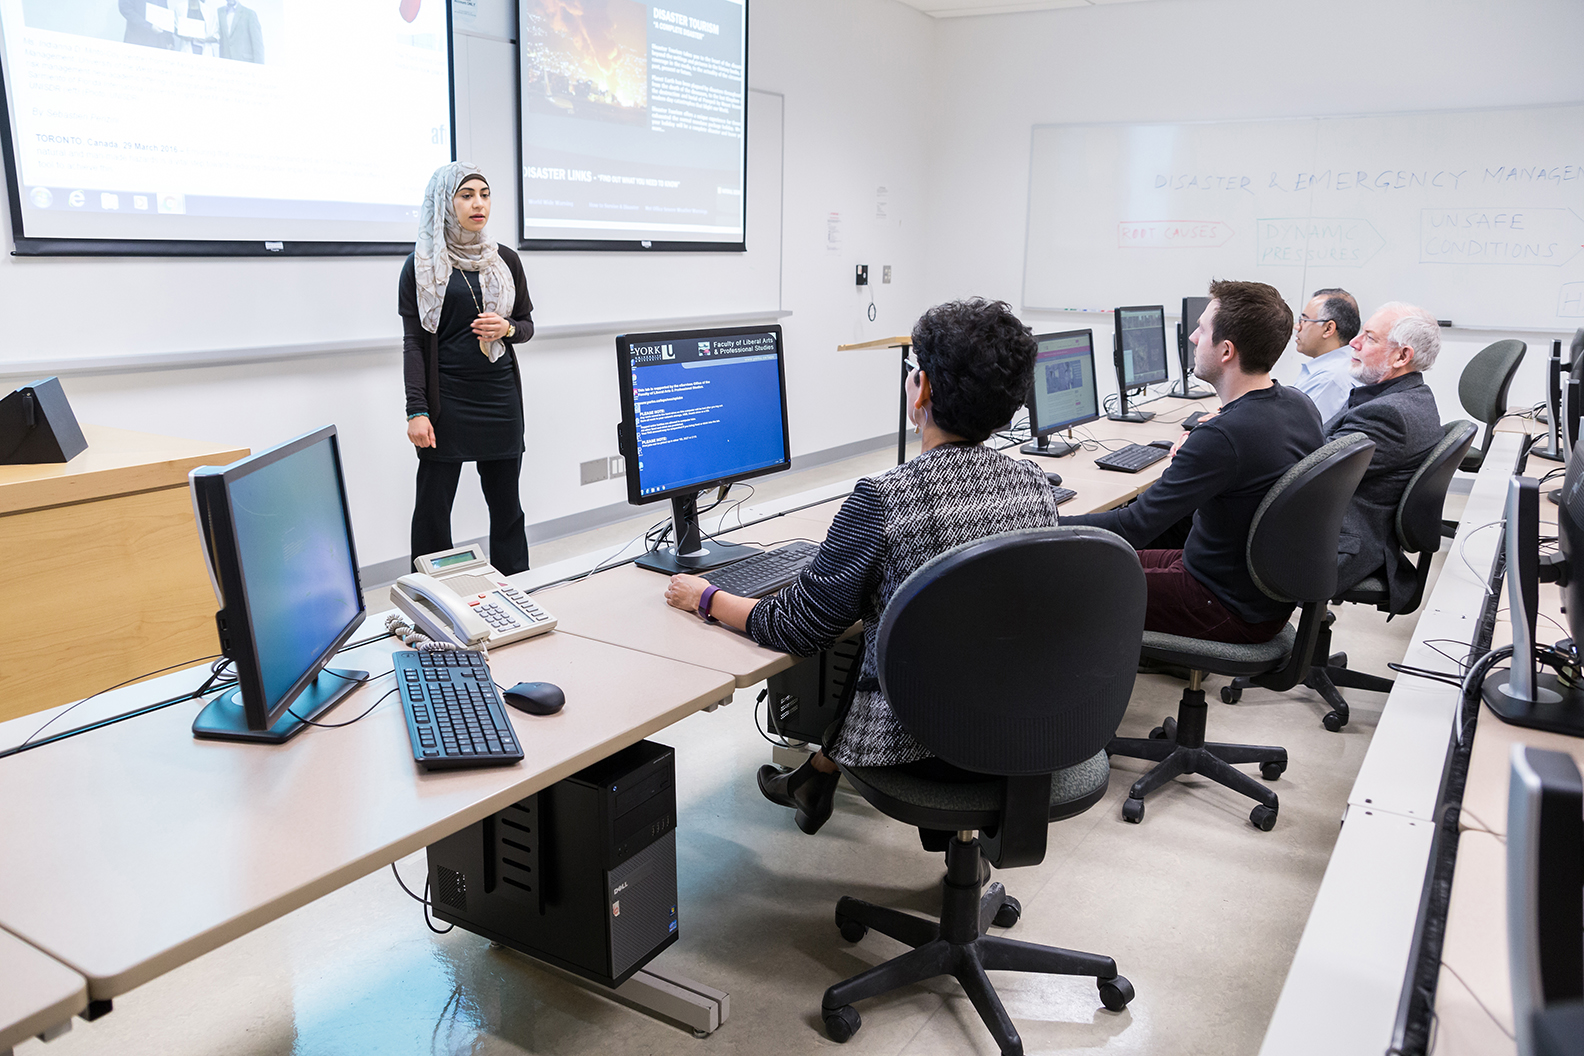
(810, 792)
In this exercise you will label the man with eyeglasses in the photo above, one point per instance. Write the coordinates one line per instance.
(1329, 321)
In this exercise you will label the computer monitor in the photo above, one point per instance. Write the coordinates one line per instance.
(1192, 309)
(1140, 353)
(1063, 393)
(1545, 879)
(700, 409)
(278, 542)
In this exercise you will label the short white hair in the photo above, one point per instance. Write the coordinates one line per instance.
(1417, 329)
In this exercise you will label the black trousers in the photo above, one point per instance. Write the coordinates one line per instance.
(431, 522)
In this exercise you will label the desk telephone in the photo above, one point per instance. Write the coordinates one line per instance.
(458, 596)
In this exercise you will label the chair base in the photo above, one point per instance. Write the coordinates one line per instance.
(1178, 747)
(958, 947)
(1324, 679)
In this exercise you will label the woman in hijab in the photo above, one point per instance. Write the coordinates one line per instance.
(464, 302)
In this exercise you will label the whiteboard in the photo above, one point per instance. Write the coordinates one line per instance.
(1478, 215)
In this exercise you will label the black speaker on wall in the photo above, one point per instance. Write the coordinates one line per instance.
(37, 426)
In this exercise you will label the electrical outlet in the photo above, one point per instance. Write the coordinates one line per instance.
(593, 471)
(885, 274)
(618, 466)
(863, 274)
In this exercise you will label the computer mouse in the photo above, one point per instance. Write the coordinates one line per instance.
(1164, 445)
(1054, 478)
(1193, 420)
(535, 698)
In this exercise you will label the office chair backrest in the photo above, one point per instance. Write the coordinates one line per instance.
(1419, 511)
(1292, 544)
(1015, 654)
(1483, 385)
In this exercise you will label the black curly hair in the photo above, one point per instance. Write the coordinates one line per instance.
(980, 362)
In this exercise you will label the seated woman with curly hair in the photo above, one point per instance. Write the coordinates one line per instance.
(973, 363)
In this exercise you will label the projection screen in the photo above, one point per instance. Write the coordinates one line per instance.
(633, 124)
(220, 127)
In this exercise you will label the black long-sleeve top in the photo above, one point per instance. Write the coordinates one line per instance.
(420, 348)
(1220, 475)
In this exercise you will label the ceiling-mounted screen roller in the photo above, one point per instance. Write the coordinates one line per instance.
(208, 126)
(633, 123)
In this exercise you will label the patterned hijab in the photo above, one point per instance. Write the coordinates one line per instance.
(443, 244)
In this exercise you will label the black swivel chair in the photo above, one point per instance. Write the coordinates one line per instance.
(975, 669)
(1418, 532)
(1482, 388)
(1292, 549)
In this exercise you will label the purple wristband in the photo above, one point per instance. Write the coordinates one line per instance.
(704, 604)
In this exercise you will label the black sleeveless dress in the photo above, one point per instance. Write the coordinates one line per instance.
(481, 414)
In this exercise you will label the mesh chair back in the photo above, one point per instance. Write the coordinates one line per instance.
(1016, 653)
(1419, 511)
(1292, 545)
(1483, 384)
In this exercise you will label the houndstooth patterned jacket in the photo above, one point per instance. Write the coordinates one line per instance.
(889, 526)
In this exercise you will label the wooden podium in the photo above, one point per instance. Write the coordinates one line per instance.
(104, 576)
(905, 343)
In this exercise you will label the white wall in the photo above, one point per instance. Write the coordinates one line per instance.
(1185, 60)
(850, 127)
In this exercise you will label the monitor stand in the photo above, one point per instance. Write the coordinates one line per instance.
(1122, 414)
(224, 718)
(1041, 445)
(693, 553)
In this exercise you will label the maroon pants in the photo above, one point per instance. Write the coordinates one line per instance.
(1180, 604)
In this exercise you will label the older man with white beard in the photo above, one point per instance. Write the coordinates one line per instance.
(1395, 408)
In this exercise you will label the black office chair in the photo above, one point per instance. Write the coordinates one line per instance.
(1292, 549)
(1418, 532)
(973, 669)
(1482, 388)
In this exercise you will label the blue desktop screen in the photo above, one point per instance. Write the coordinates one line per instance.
(706, 409)
(297, 567)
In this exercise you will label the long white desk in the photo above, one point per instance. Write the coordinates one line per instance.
(147, 848)
(38, 994)
(1344, 987)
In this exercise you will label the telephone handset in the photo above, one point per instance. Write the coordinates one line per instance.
(438, 611)
(467, 601)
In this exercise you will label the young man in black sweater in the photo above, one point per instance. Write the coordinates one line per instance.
(1220, 473)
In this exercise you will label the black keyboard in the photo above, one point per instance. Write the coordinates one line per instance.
(1131, 458)
(455, 717)
(764, 573)
(1063, 494)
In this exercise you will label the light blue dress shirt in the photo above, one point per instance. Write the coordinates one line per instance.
(1326, 381)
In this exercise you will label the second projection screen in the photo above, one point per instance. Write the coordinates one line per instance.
(633, 123)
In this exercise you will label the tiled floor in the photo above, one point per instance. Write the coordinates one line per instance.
(1201, 911)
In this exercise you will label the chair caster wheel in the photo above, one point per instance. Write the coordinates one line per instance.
(1115, 993)
(1272, 770)
(1158, 733)
(1133, 810)
(851, 930)
(1333, 721)
(1010, 913)
(842, 1023)
(1263, 817)
(1231, 694)
(1166, 731)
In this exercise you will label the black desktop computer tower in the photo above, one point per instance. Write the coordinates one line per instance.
(805, 698)
(581, 875)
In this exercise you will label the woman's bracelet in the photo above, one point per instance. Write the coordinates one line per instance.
(420, 414)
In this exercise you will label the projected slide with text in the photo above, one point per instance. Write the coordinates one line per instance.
(632, 120)
(300, 120)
